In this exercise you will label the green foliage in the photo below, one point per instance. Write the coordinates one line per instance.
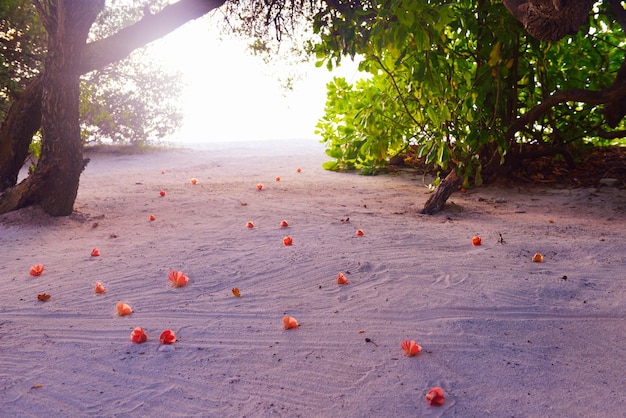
(22, 47)
(450, 78)
(34, 151)
(131, 101)
(358, 119)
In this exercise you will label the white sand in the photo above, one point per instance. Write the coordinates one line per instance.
(503, 336)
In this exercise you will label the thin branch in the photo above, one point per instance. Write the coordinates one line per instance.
(610, 134)
(591, 97)
(400, 95)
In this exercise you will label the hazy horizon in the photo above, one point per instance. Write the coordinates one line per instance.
(230, 95)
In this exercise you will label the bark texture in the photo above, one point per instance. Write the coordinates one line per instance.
(21, 123)
(438, 199)
(61, 161)
(550, 20)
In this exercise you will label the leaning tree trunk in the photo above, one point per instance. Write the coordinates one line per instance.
(54, 184)
(438, 199)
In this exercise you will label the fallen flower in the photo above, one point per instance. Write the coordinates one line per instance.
(162, 193)
(152, 217)
(178, 278)
(538, 258)
(435, 396)
(138, 336)
(277, 178)
(236, 291)
(289, 322)
(342, 279)
(287, 241)
(476, 241)
(298, 170)
(259, 186)
(95, 252)
(249, 224)
(43, 297)
(283, 224)
(167, 337)
(100, 288)
(359, 233)
(194, 181)
(411, 348)
(36, 270)
(123, 309)
(162, 171)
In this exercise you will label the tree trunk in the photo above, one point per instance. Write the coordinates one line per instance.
(438, 199)
(54, 184)
(61, 161)
(16, 133)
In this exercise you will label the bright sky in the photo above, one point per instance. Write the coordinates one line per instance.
(231, 95)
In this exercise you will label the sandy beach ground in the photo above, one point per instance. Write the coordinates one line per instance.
(500, 334)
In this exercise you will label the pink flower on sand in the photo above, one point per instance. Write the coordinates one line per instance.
(342, 279)
(411, 348)
(289, 322)
(36, 270)
(100, 288)
(123, 309)
(167, 337)
(435, 396)
(138, 336)
(178, 278)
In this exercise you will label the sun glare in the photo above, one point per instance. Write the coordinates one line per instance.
(230, 95)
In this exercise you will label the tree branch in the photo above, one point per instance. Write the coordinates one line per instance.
(100, 53)
(611, 134)
(591, 97)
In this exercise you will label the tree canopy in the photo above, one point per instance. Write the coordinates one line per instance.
(468, 86)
